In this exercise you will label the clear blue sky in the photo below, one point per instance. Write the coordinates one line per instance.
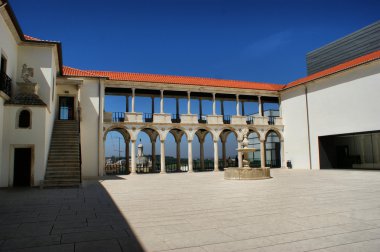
(233, 39)
(263, 41)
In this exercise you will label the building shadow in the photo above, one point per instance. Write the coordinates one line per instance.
(64, 219)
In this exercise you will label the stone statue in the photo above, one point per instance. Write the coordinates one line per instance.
(26, 73)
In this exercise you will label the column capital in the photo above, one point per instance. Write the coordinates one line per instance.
(162, 91)
(162, 141)
(133, 140)
(189, 140)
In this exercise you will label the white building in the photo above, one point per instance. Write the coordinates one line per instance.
(53, 124)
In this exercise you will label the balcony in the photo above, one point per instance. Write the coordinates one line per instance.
(5, 84)
(176, 118)
(148, 117)
(226, 119)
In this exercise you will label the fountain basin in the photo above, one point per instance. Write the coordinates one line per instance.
(244, 173)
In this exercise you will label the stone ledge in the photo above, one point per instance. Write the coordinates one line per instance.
(246, 173)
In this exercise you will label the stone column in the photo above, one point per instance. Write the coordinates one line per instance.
(237, 105)
(283, 164)
(162, 102)
(127, 155)
(216, 158)
(262, 153)
(240, 155)
(153, 155)
(163, 168)
(260, 106)
(222, 107)
(202, 153)
(133, 157)
(224, 153)
(178, 155)
(279, 107)
(133, 100)
(188, 103)
(190, 154)
(213, 104)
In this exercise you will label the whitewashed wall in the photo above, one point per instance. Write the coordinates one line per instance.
(1, 138)
(8, 47)
(39, 58)
(293, 105)
(89, 99)
(347, 102)
(23, 138)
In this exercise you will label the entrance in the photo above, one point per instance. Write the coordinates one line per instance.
(66, 108)
(350, 151)
(22, 167)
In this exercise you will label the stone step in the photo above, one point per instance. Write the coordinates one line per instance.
(59, 184)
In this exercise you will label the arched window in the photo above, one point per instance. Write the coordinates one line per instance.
(24, 119)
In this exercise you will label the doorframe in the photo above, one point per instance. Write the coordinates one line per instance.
(12, 162)
(75, 96)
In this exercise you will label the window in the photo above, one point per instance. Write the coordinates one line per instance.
(24, 119)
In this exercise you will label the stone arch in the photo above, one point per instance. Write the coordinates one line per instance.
(202, 164)
(254, 141)
(179, 164)
(273, 147)
(232, 160)
(277, 131)
(121, 166)
(152, 164)
(254, 129)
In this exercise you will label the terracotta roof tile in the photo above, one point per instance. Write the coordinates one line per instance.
(69, 71)
(341, 67)
(170, 79)
(30, 38)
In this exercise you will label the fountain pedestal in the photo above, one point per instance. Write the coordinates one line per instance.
(246, 172)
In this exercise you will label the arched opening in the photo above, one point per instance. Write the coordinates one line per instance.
(117, 157)
(24, 119)
(148, 151)
(176, 159)
(272, 150)
(254, 142)
(203, 151)
(228, 156)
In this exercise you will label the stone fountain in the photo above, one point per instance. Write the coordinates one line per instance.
(246, 172)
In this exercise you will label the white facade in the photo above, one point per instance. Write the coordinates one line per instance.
(346, 102)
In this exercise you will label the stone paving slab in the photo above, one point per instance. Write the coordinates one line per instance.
(297, 210)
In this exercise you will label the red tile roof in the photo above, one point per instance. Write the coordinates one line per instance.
(170, 79)
(336, 69)
(30, 38)
(183, 80)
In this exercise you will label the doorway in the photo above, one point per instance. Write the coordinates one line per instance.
(66, 108)
(22, 167)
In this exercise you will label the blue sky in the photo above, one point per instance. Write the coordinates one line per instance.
(264, 41)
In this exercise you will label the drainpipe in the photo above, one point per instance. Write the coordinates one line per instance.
(308, 126)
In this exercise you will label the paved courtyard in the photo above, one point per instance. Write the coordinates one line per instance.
(295, 211)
